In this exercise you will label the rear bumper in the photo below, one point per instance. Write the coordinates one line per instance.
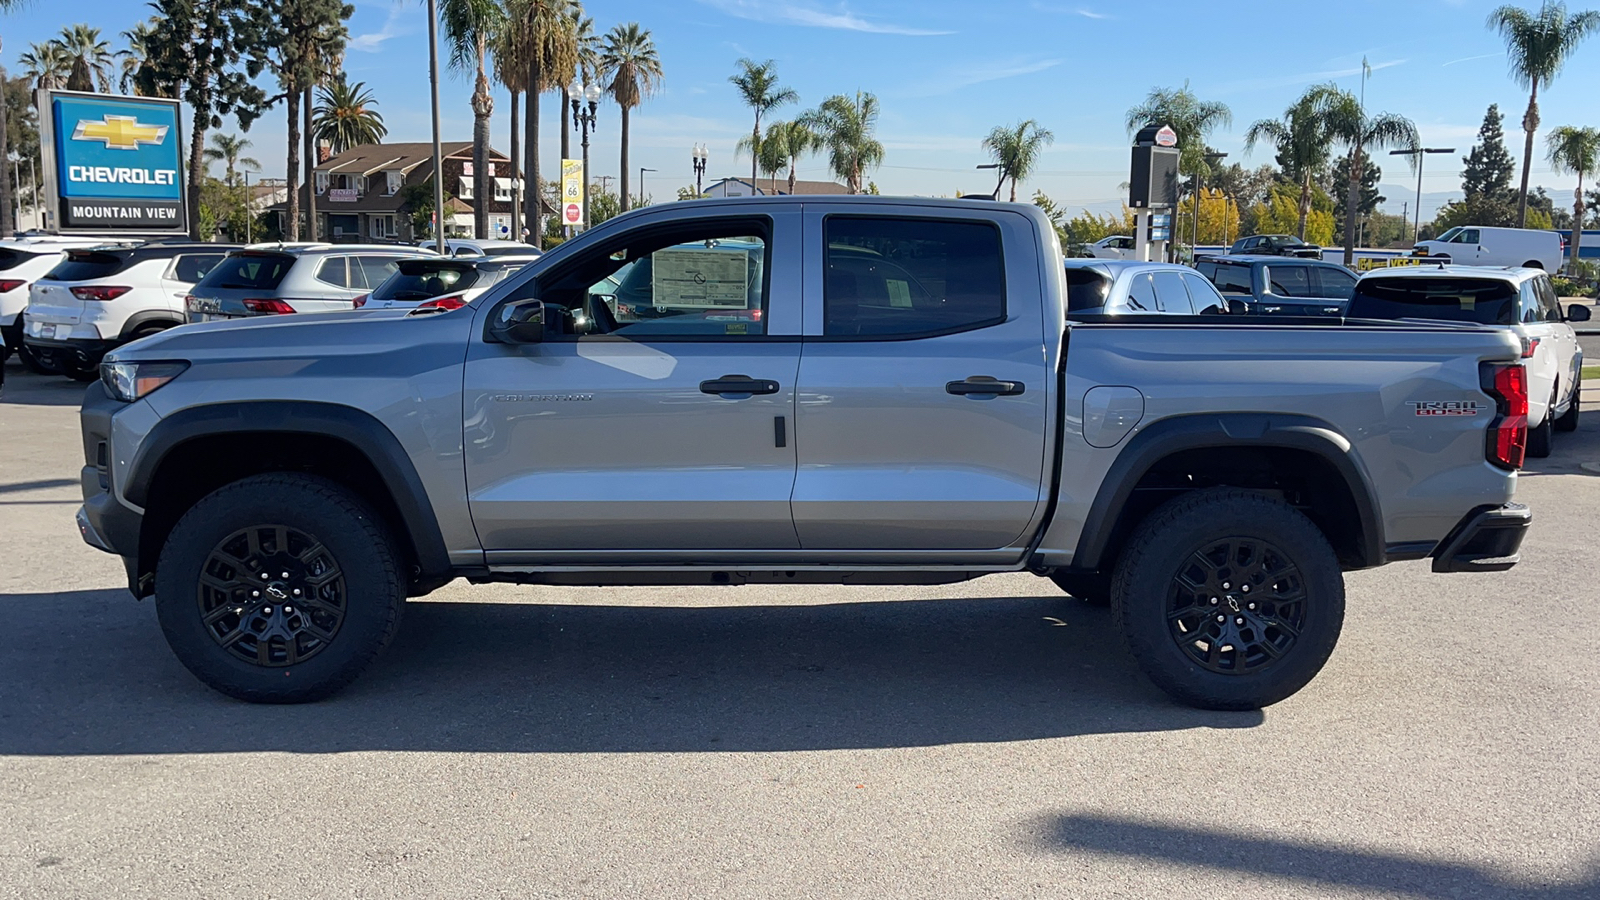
(77, 353)
(1489, 539)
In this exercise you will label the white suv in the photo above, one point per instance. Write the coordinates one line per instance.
(23, 260)
(1519, 299)
(101, 297)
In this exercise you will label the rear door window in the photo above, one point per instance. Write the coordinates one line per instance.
(253, 271)
(374, 270)
(334, 271)
(1205, 298)
(1171, 295)
(1289, 281)
(1486, 301)
(892, 277)
(1142, 294)
(1548, 299)
(1333, 284)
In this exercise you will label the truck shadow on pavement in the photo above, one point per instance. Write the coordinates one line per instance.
(27, 389)
(1324, 865)
(88, 672)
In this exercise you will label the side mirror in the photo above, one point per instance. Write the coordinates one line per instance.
(518, 322)
(1578, 312)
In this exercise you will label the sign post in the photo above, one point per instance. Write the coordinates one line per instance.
(1153, 187)
(572, 192)
(112, 164)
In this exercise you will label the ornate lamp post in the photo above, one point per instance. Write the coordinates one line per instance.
(584, 120)
(699, 154)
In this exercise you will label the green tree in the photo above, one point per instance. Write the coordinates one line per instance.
(1489, 166)
(545, 44)
(603, 205)
(7, 226)
(1016, 150)
(1367, 195)
(758, 87)
(47, 63)
(138, 38)
(1192, 118)
(1351, 126)
(848, 127)
(347, 116)
(788, 142)
(22, 138)
(89, 55)
(1247, 187)
(209, 53)
(226, 149)
(629, 62)
(1304, 143)
(1537, 47)
(313, 36)
(1281, 213)
(416, 204)
(471, 27)
(768, 155)
(1574, 151)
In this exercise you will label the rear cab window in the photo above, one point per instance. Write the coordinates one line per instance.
(1288, 281)
(252, 271)
(1486, 301)
(1229, 278)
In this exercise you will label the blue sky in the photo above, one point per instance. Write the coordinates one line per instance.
(946, 72)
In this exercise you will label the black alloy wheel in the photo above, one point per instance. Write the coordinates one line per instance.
(1236, 606)
(272, 595)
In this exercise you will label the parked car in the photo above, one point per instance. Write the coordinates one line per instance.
(1483, 245)
(269, 280)
(1114, 247)
(1275, 286)
(98, 298)
(1275, 245)
(440, 282)
(484, 247)
(1123, 287)
(24, 260)
(285, 489)
(1520, 300)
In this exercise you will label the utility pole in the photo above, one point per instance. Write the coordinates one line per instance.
(438, 153)
(1418, 155)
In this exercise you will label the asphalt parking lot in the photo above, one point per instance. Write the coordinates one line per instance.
(988, 739)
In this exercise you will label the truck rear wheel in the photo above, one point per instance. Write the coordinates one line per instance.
(1569, 419)
(1229, 599)
(279, 588)
(1542, 436)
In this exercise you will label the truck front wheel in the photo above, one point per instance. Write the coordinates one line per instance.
(279, 588)
(1229, 599)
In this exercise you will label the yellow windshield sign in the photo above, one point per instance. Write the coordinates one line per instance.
(119, 132)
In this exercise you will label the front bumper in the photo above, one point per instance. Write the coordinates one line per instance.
(105, 522)
(1489, 539)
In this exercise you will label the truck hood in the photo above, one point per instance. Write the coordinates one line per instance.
(311, 335)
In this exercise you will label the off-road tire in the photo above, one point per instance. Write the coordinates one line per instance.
(1533, 264)
(1145, 590)
(372, 595)
(1094, 590)
(1541, 437)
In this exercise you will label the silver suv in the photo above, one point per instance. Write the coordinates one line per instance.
(1111, 287)
(276, 279)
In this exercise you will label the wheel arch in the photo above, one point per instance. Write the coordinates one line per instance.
(194, 451)
(1297, 454)
(138, 320)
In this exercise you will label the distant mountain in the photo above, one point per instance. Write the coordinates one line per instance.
(1400, 198)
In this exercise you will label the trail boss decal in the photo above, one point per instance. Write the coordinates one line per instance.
(1445, 407)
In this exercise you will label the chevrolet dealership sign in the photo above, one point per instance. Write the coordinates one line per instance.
(113, 163)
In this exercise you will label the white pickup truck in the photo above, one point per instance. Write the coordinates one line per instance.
(898, 397)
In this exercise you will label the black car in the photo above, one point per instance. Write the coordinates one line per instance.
(1272, 285)
(1276, 245)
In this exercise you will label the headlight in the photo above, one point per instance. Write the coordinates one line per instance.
(128, 381)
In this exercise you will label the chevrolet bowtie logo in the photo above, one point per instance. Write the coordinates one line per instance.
(119, 132)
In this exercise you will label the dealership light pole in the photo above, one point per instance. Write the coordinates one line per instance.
(698, 152)
(642, 170)
(1420, 153)
(583, 120)
(996, 194)
(438, 153)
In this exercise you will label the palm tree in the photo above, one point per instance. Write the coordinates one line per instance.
(48, 64)
(1537, 46)
(759, 89)
(1575, 151)
(770, 159)
(89, 53)
(847, 126)
(138, 38)
(1350, 125)
(313, 37)
(1304, 143)
(471, 27)
(788, 141)
(628, 60)
(1192, 118)
(544, 40)
(347, 116)
(511, 70)
(225, 148)
(1016, 149)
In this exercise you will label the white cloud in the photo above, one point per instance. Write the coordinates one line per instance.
(1090, 14)
(1471, 58)
(1253, 84)
(372, 42)
(957, 79)
(796, 13)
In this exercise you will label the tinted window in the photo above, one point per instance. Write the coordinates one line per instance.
(248, 270)
(332, 271)
(1548, 299)
(1289, 281)
(191, 267)
(1530, 309)
(1205, 298)
(902, 277)
(1086, 289)
(1142, 294)
(1483, 300)
(375, 269)
(509, 251)
(10, 259)
(1233, 279)
(84, 266)
(419, 281)
(1171, 294)
(1334, 284)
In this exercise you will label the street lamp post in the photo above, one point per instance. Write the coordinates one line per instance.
(584, 120)
(996, 194)
(698, 152)
(1420, 154)
(642, 170)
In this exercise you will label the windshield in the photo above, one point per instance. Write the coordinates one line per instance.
(1449, 234)
(252, 271)
(1485, 301)
(419, 280)
(83, 265)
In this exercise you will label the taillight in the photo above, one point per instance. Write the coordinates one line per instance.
(450, 301)
(1506, 444)
(7, 285)
(269, 306)
(98, 292)
(360, 301)
(1529, 345)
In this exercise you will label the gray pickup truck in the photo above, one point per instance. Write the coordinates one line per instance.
(833, 390)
